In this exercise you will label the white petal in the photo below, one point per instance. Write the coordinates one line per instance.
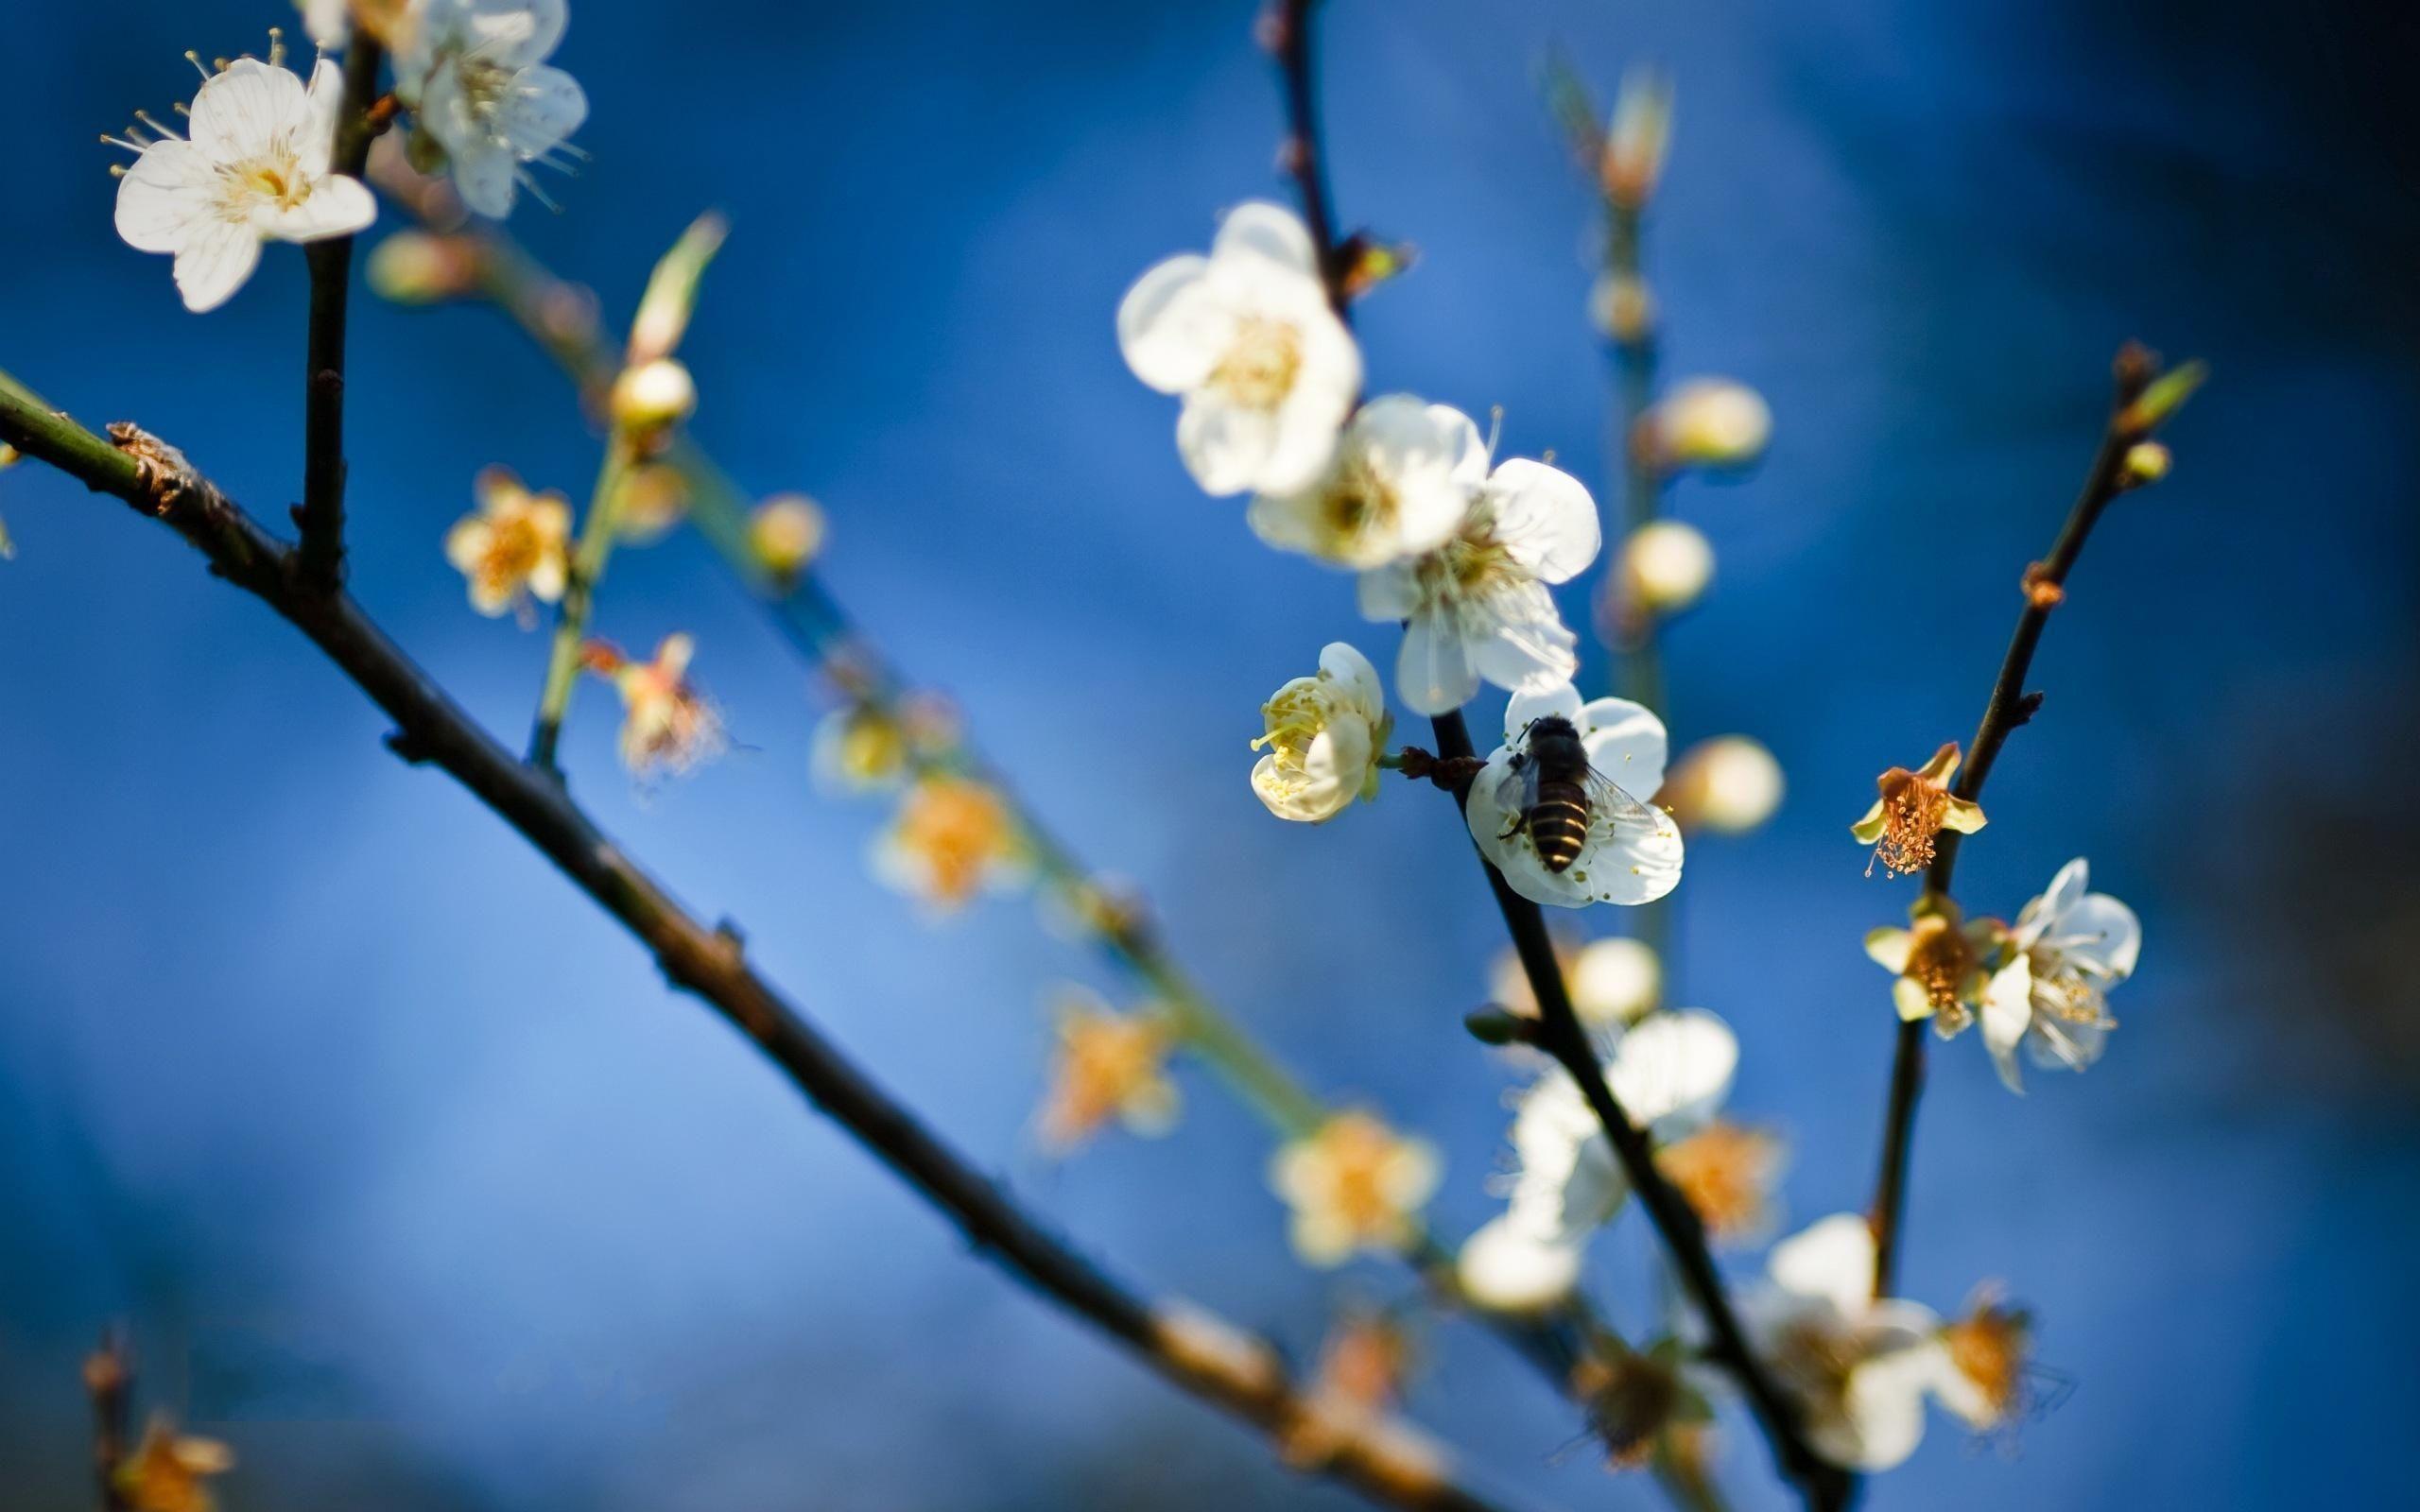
(2059, 1045)
(485, 174)
(1526, 646)
(238, 113)
(2008, 1012)
(1258, 229)
(1544, 517)
(1307, 431)
(1504, 1269)
(1523, 710)
(1885, 1408)
(2067, 888)
(215, 262)
(1832, 1260)
(1631, 857)
(165, 196)
(1673, 1069)
(1627, 743)
(2102, 935)
(545, 106)
(324, 97)
(1171, 328)
(1223, 445)
(1433, 673)
(1356, 680)
(338, 206)
(1388, 594)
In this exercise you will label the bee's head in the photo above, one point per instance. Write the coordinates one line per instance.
(1552, 726)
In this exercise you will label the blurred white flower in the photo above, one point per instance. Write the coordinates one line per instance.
(1707, 422)
(254, 169)
(327, 22)
(1859, 1367)
(1670, 1073)
(1613, 981)
(1729, 784)
(1326, 736)
(1631, 853)
(1268, 371)
(1354, 1183)
(474, 73)
(1477, 606)
(516, 547)
(1398, 484)
(2070, 947)
(668, 726)
(1988, 1350)
(1664, 568)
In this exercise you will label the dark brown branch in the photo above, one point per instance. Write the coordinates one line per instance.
(320, 558)
(1199, 1353)
(2010, 705)
(1286, 31)
(109, 1381)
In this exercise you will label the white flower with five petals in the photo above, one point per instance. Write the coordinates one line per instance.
(1268, 371)
(1632, 851)
(1477, 606)
(1397, 484)
(1326, 736)
(1670, 1073)
(2069, 947)
(476, 75)
(254, 167)
(1859, 1365)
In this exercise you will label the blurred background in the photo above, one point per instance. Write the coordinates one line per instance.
(415, 1184)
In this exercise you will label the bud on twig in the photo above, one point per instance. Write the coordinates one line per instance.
(653, 397)
(1639, 139)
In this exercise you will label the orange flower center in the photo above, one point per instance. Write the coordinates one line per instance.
(960, 829)
(1724, 1171)
(1913, 809)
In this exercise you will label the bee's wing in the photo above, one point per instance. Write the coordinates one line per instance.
(1516, 791)
(1609, 804)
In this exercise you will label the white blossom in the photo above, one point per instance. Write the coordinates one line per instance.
(254, 167)
(474, 73)
(1268, 371)
(1632, 851)
(1859, 1367)
(2069, 948)
(327, 22)
(1325, 733)
(1477, 606)
(1398, 484)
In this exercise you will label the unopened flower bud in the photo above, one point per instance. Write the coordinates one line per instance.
(1729, 784)
(419, 267)
(2166, 395)
(1622, 308)
(653, 396)
(1615, 980)
(1639, 138)
(786, 532)
(1665, 566)
(1492, 1025)
(2145, 462)
(1708, 422)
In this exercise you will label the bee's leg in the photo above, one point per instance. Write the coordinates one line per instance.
(1520, 822)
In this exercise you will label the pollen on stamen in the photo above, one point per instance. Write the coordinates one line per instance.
(1912, 811)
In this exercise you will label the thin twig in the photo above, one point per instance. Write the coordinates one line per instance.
(320, 516)
(1205, 1356)
(2009, 706)
(1288, 36)
(109, 1381)
(598, 531)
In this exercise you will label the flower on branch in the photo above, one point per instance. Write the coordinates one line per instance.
(667, 725)
(1727, 1171)
(170, 1472)
(474, 73)
(1859, 1366)
(513, 548)
(1398, 484)
(2069, 947)
(1988, 1352)
(1612, 982)
(1246, 336)
(1941, 964)
(1354, 1392)
(1353, 1184)
(256, 168)
(859, 749)
(784, 533)
(1670, 1073)
(1631, 852)
(1475, 605)
(1325, 733)
(953, 838)
(1913, 811)
(1109, 1065)
(1716, 423)
(1664, 567)
(1730, 785)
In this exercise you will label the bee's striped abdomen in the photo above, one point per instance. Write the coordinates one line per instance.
(1559, 823)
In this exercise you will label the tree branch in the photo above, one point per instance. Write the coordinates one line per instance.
(2008, 707)
(1195, 1351)
(320, 558)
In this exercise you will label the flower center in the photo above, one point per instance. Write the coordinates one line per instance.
(1466, 566)
(1357, 503)
(957, 828)
(1260, 366)
(1940, 960)
(1913, 811)
(1358, 1154)
(1988, 1348)
(279, 181)
(1723, 1171)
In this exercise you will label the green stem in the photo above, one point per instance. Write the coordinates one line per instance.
(597, 534)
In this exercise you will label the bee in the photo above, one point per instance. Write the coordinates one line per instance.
(1554, 795)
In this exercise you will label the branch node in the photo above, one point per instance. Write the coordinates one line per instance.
(1449, 774)
(2042, 590)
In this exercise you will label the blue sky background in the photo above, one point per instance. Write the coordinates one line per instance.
(414, 1183)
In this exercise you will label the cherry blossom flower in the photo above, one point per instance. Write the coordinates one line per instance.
(859, 748)
(1906, 821)
(1988, 1350)
(785, 532)
(514, 548)
(170, 1472)
(1941, 964)
(476, 75)
(1268, 371)
(1859, 1367)
(2069, 947)
(954, 837)
(1354, 1184)
(1398, 484)
(1729, 784)
(1612, 982)
(1325, 733)
(1706, 423)
(1664, 567)
(1727, 1173)
(1632, 851)
(1477, 605)
(327, 22)
(254, 168)
(1670, 1073)
(667, 725)
(1109, 1065)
